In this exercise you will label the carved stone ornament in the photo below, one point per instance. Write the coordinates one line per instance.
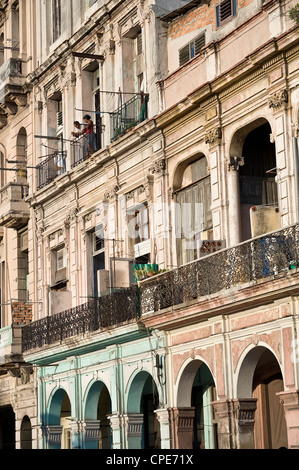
(71, 217)
(111, 195)
(278, 99)
(213, 136)
(234, 163)
(158, 167)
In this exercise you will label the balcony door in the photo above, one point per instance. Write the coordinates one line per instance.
(257, 177)
(194, 216)
(98, 258)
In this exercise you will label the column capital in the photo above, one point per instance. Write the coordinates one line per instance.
(278, 99)
(92, 430)
(234, 163)
(182, 420)
(289, 398)
(53, 434)
(134, 423)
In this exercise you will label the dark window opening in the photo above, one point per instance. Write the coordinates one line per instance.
(257, 177)
(56, 18)
(7, 429)
(98, 257)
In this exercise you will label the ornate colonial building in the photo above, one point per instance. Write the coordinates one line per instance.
(149, 291)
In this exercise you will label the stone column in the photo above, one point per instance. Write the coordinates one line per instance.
(244, 410)
(182, 421)
(290, 401)
(224, 418)
(163, 418)
(116, 424)
(234, 212)
(134, 426)
(91, 434)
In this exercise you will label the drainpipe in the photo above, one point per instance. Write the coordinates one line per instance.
(296, 172)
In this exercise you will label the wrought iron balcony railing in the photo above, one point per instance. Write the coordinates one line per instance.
(128, 115)
(83, 147)
(52, 167)
(105, 312)
(269, 255)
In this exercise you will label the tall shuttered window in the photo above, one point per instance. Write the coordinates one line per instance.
(225, 11)
(56, 19)
(192, 49)
(194, 219)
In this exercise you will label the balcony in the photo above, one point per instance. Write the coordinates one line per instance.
(10, 346)
(274, 254)
(129, 115)
(51, 168)
(14, 210)
(13, 89)
(106, 312)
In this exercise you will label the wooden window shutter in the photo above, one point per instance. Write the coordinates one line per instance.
(226, 10)
(139, 44)
(200, 42)
(184, 54)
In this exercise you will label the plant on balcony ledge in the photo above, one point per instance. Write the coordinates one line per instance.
(147, 271)
(294, 13)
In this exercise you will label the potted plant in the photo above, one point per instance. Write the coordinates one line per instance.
(151, 271)
(139, 274)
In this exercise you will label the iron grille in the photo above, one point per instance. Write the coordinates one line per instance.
(106, 312)
(270, 255)
(127, 116)
(51, 168)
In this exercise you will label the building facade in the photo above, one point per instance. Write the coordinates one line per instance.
(149, 294)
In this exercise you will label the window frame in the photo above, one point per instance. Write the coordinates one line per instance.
(141, 231)
(93, 238)
(189, 45)
(64, 258)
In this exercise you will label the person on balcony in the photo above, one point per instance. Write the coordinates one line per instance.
(88, 131)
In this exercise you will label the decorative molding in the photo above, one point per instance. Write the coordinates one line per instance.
(245, 411)
(148, 187)
(240, 83)
(88, 217)
(279, 99)
(130, 195)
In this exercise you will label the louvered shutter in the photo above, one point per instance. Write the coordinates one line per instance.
(225, 10)
(200, 42)
(184, 54)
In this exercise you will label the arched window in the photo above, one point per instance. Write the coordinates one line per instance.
(22, 145)
(2, 171)
(1, 49)
(194, 216)
(26, 434)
